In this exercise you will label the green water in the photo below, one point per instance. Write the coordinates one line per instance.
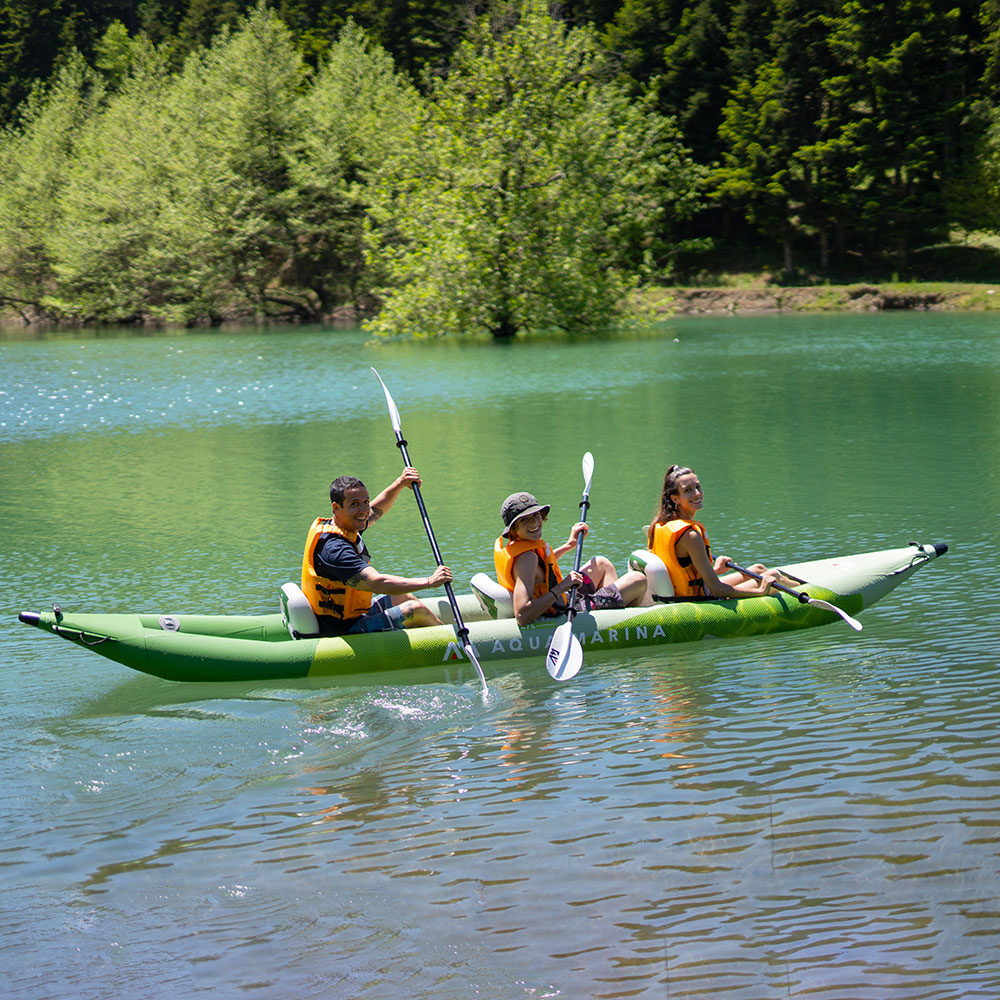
(800, 815)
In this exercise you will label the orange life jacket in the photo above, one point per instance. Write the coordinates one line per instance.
(505, 552)
(683, 575)
(331, 598)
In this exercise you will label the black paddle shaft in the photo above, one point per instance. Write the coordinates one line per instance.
(798, 595)
(463, 632)
(584, 507)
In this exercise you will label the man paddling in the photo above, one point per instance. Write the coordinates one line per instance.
(337, 575)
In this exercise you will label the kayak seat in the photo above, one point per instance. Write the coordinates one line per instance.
(495, 600)
(657, 576)
(297, 614)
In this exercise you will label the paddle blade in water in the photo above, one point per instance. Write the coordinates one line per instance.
(826, 606)
(565, 655)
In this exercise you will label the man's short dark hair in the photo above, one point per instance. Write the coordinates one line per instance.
(341, 485)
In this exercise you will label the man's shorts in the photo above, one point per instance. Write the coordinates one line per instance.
(383, 617)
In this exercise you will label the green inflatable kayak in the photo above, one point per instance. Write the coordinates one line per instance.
(192, 647)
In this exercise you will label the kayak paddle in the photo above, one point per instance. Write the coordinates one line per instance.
(805, 598)
(463, 632)
(565, 654)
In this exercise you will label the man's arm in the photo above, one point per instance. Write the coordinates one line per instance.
(371, 580)
(387, 498)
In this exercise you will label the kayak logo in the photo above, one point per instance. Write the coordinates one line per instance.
(453, 652)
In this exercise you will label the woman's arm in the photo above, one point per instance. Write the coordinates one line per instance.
(692, 545)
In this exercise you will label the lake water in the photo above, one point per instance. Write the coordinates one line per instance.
(809, 815)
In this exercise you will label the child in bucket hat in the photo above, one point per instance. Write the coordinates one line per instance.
(528, 567)
(519, 505)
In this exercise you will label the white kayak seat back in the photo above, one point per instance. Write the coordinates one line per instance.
(656, 572)
(495, 600)
(297, 614)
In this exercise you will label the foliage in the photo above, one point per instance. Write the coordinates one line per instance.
(903, 90)
(39, 39)
(189, 160)
(782, 160)
(972, 194)
(536, 194)
(676, 51)
(178, 204)
(113, 247)
(35, 161)
(359, 115)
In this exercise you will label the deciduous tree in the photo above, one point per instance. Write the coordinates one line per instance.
(536, 195)
(35, 161)
(360, 114)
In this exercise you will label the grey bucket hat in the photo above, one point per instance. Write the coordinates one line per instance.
(520, 505)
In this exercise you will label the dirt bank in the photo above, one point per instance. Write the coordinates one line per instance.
(860, 298)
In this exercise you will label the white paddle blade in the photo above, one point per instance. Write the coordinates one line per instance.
(393, 412)
(827, 606)
(470, 652)
(588, 471)
(565, 655)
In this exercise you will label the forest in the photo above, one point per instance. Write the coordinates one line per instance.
(445, 167)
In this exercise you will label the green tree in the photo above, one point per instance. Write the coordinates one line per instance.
(535, 196)
(204, 19)
(972, 193)
(784, 160)
(238, 108)
(679, 51)
(755, 175)
(418, 34)
(905, 85)
(988, 17)
(359, 114)
(37, 38)
(116, 252)
(35, 161)
(114, 54)
(159, 19)
(181, 203)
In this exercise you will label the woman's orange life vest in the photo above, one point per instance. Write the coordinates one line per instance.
(332, 598)
(683, 575)
(505, 552)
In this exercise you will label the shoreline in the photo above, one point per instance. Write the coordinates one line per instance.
(685, 300)
(859, 297)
